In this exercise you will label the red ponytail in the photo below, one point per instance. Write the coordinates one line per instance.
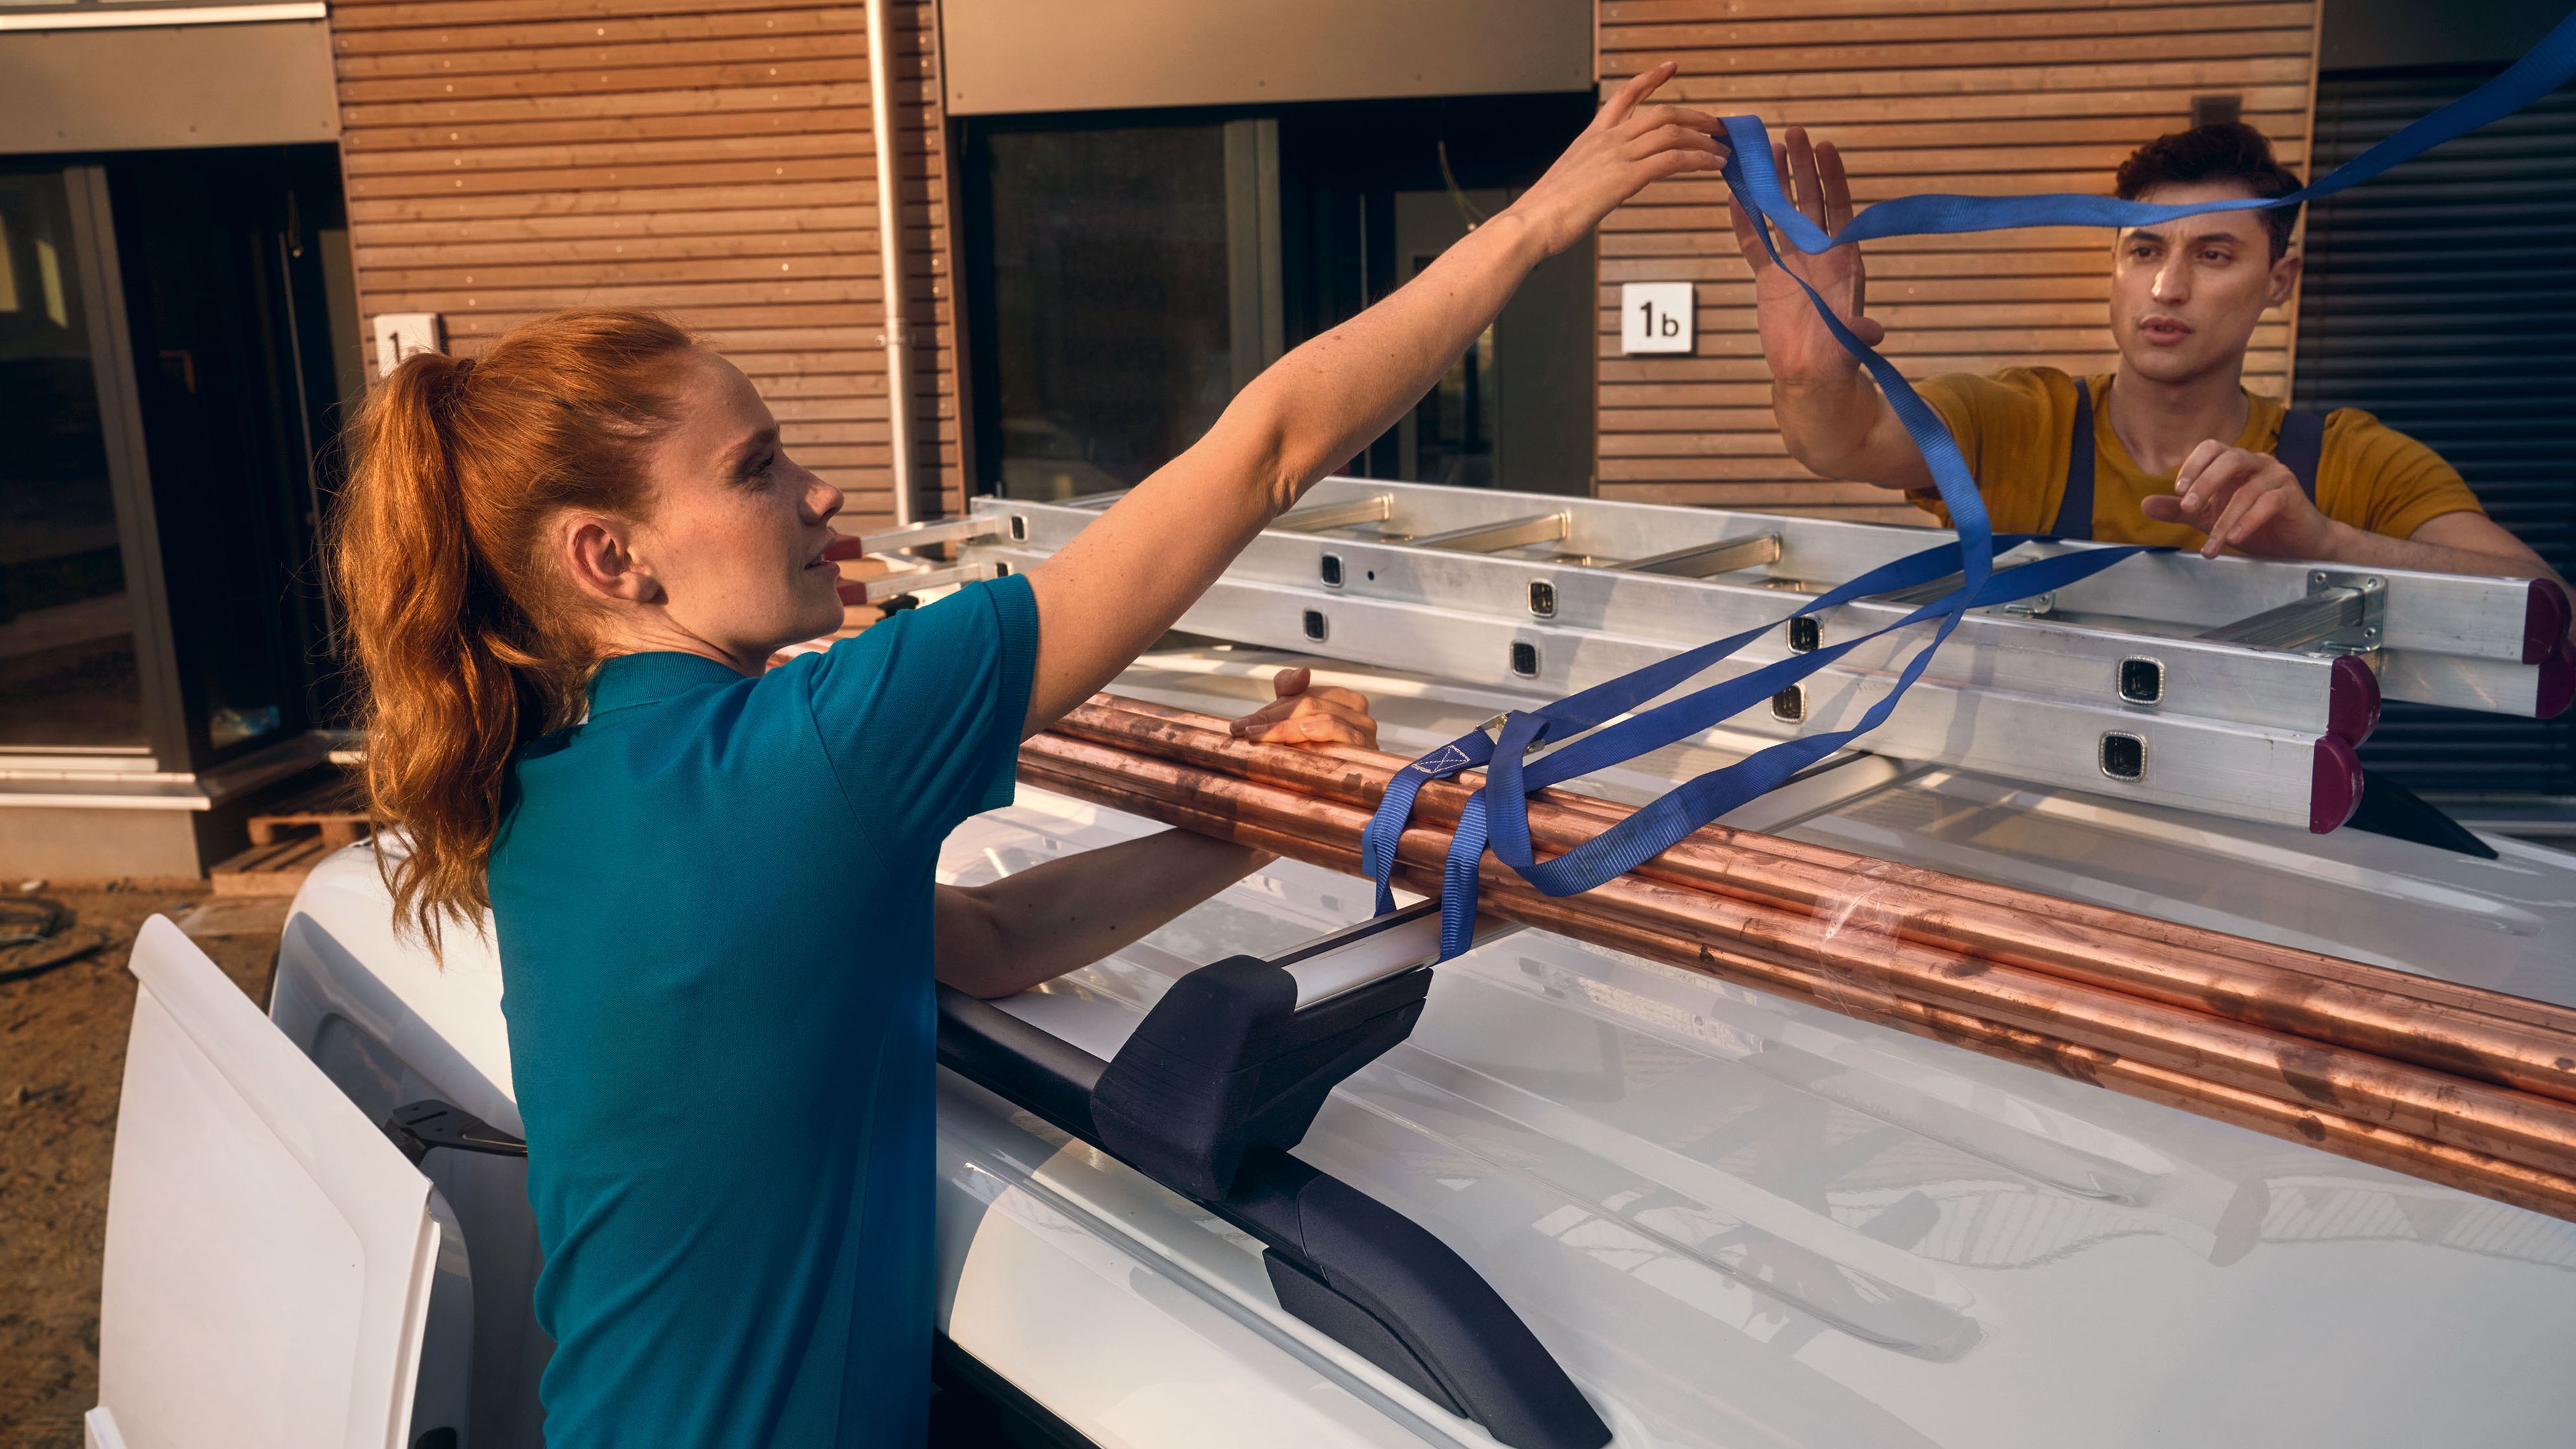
(465, 643)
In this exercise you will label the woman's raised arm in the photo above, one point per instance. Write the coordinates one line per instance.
(1124, 580)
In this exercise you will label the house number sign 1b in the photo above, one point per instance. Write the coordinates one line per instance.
(1655, 317)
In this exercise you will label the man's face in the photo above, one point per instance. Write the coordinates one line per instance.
(2186, 295)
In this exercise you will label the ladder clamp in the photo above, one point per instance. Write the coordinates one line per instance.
(2340, 614)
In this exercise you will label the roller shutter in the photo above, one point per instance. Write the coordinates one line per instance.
(2439, 297)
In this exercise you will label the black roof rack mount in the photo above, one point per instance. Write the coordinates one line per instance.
(1221, 1078)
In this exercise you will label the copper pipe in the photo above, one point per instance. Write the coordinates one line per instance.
(2521, 1185)
(2549, 1016)
(2471, 1115)
(2441, 1035)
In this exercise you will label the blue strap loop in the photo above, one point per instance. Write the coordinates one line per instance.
(1498, 814)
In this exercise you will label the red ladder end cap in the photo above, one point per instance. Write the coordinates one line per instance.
(2557, 684)
(2544, 621)
(2352, 700)
(2335, 786)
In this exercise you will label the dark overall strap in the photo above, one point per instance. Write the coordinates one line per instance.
(2301, 444)
(2075, 506)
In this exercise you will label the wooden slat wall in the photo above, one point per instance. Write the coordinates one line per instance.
(1986, 96)
(710, 158)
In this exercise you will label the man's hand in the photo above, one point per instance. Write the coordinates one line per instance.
(1831, 418)
(2254, 504)
(2246, 501)
(1304, 716)
(1627, 146)
(1801, 350)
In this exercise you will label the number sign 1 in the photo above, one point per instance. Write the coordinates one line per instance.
(1655, 317)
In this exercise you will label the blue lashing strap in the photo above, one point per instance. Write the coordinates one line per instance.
(1498, 814)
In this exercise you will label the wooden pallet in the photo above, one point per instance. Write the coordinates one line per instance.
(329, 807)
(289, 838)
(276, 868)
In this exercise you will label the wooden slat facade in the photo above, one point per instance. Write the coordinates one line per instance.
(715, 158)
(1986, 96)
(710, 158)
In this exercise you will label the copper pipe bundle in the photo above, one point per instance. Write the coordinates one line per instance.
(2451, 1083)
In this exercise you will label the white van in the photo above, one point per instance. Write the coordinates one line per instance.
(1709, 1216)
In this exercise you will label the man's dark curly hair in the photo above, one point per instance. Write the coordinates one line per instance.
(2226, 151)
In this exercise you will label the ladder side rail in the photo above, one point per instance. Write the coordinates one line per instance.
(2456, 681)
(2440, 613)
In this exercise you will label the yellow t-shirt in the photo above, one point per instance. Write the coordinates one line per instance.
(2014, 428)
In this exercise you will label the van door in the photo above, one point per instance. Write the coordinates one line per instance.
(271, 1255)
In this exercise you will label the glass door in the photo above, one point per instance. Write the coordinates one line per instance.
(72, 679)
(221, 254)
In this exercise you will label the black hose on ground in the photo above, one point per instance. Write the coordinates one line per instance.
(33, 937)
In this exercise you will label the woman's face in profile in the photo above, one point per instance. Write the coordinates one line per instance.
(737, 529)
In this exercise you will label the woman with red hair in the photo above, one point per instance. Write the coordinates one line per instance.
(565, 564)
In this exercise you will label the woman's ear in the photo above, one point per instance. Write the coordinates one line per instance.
(598, 553)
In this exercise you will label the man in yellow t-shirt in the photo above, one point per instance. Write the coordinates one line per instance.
(2171, 448)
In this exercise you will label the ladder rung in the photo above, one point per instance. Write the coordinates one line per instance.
(2298, 624)
(1317, 517)
(896, 585)
(1922, 593)
(1704, 560)
(1490, 537)
(925, 535)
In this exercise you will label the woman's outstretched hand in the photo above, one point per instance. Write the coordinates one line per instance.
(1304, 716)
(1114, 588)
(1627, 146)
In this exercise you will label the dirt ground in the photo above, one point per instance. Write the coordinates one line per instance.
(62, 1060)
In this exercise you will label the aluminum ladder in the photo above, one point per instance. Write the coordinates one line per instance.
(2234, 686)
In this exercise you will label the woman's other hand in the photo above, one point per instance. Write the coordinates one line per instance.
(1628, 146)
(1306, 716)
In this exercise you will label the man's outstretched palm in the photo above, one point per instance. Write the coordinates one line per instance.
(1795, 341)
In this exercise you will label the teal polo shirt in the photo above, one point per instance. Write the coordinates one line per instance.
(713, 900)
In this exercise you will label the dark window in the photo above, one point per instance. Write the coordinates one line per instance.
(1127, 273)
(1105, 288)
